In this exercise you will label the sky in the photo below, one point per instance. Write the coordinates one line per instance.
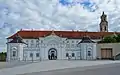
(55, 15)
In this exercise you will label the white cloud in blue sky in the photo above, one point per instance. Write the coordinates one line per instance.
(56, 14)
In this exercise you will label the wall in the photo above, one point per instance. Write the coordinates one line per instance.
(115, 46)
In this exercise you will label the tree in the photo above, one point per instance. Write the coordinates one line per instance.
(117, 38)
(108, 39)
(111, 39)
(2, 56)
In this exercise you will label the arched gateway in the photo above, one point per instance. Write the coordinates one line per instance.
(52, 54)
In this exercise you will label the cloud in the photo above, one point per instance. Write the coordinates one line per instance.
(51, 14)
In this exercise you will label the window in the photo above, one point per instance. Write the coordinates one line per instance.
(32, 43)
(67, 54)
(31, 54)
(67, 41)
(76, 41)
(73, 54)
(68, 45)
(37, 43)
(27, 42)
(78, 54)
(72, 41)
(89, 53)
(41, 41)
(14, 53)
(37, 55)
(72, 45)
(105, 29)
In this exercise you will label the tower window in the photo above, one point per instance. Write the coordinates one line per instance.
(105, 28)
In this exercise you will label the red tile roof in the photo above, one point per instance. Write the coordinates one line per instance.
(29, 34)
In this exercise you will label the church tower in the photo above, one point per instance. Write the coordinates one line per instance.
(103, 23)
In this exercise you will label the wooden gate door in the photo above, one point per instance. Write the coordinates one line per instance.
(106, 53)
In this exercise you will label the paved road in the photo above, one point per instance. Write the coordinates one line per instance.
(51, 65)
(12, 64)
(111, 69)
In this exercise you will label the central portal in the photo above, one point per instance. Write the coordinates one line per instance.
(52, 54)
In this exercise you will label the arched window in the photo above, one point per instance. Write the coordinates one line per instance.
(14, 53)
(89, 53)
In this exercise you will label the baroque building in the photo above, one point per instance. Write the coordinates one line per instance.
(37, 45)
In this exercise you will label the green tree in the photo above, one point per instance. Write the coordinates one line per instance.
(109, 39)
(117, 38)
(2, 56)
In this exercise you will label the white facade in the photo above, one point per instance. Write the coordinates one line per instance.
(51, 47)
(88, 51)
